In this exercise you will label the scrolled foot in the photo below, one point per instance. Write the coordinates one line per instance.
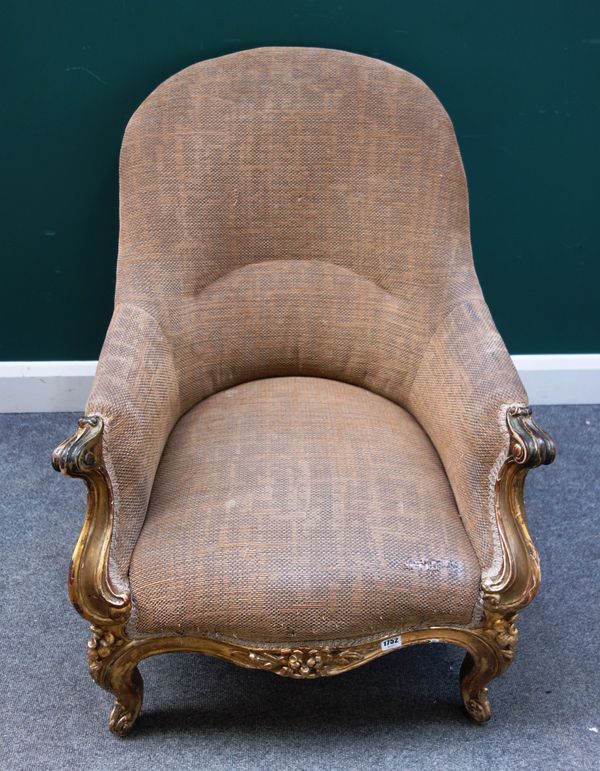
(122, 719)
(474, 674)
(478, 706)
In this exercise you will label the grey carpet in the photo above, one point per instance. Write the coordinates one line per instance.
(400, 712)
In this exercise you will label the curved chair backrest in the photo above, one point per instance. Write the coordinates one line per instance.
(278, 204)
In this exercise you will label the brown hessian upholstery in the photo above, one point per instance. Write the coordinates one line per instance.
(303, 394)
(289, 509)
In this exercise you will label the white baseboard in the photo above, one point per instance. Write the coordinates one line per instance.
(63, 386)
(560, 378)
(45, 386)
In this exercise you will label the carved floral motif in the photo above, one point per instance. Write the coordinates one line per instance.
(101, 646)
(300, 662)
(503, 630)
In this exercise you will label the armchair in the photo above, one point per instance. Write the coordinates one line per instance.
(306, 443)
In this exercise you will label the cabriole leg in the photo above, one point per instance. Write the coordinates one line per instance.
(489, 655)
(128, 687)
(116, 672)
(474, 676)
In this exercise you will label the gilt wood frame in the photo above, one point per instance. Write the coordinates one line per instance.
(113, 655)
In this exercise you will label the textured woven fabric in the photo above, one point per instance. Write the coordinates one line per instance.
(298, 508)
(460, 393)
(299, 212)
(136, 391)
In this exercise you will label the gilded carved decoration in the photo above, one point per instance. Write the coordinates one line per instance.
(300, 662)
(113, 655)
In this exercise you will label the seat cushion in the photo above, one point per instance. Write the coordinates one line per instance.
(301, 509)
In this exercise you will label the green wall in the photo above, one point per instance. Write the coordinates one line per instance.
(521, 81)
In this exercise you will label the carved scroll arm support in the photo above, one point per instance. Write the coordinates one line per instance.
(90, 590)
(518, 581)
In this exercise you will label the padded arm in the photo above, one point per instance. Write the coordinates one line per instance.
(136, 392)
(465, 381)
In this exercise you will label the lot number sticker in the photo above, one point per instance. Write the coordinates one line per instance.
(391, 643)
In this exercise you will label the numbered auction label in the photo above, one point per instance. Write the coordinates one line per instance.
(391, 643)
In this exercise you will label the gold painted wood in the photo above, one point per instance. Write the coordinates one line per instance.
(114, 656)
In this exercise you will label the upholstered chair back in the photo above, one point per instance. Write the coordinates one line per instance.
(294, 211)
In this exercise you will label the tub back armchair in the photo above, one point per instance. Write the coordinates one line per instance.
(306, 443)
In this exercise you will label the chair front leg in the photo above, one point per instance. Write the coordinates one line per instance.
(90, 589)
(517, 583)
(490, 654)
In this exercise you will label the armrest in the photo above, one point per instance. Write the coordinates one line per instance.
(464, 386)
(136, 393)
